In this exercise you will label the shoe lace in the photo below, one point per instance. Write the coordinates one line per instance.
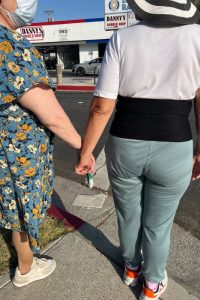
(40, 261)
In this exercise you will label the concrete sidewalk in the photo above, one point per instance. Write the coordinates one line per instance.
(72, 82)
(89, 265)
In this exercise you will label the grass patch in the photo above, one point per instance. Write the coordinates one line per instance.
(50, 230)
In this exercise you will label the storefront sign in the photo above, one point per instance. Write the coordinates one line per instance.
(118, 14)
(69, 32)
(33, 33)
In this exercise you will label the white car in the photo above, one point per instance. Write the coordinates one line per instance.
(91, 67)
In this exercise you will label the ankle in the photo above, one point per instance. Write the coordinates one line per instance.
(24, 268)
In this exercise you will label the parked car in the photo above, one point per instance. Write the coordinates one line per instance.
(91, 67)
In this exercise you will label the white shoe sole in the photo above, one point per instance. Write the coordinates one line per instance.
(35, 279)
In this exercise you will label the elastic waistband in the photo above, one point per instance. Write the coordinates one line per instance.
(154, 106)
(152, 119)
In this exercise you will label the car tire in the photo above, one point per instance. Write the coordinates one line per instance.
(80, 72)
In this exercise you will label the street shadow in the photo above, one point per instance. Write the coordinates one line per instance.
(94, 236)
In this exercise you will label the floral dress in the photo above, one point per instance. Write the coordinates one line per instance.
(26, 157)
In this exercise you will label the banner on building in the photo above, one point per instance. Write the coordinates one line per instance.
(31, 33)
(118, 14)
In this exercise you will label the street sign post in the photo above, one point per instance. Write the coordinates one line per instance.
(118, 14)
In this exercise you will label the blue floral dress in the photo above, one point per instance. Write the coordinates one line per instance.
(26, 150)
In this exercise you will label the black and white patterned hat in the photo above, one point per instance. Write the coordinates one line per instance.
(167, 11)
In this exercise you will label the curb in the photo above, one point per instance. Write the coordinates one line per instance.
(83, 88)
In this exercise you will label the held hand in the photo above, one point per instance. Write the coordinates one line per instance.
(196, 167)
(85, 165)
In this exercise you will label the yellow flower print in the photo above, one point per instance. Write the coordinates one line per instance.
(8, 179)
(1, 181)
(25, 128)
(1, 60)
(13, 107)
(21, 136)
(19, 82)
(1, 216)
(8, 98)
(8, 191)
(18, 119)
(23, 161)
(6, 47)
(32, 149)
(16, 36)
(12, 148)
(12, 205)
(3, 133)
(17, 54)
(13, 67)
(25, 199)
(30, 172)
(44, 80)
(35, 73)
(8, 226)
(26, 71)
(13, 170)
(15, 226)
(26, 217)
(43, 148)
(33, 242)
(36, 52)
(26, 55)
(37, 183)
(3, 164)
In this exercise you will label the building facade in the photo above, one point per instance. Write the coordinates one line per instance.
(68, 42)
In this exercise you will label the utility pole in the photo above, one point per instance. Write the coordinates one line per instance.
(50, 13)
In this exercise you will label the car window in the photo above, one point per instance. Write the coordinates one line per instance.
(99, 60)
(93, 61)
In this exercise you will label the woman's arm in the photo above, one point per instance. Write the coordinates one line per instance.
(42, 102)
(9, 5)
(196, 166)
(101, 110)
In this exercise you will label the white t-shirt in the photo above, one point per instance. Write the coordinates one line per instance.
(148, 62)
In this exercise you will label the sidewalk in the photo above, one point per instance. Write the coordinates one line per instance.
(71, 82)
(89, 265)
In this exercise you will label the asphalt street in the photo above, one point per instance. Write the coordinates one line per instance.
(77, 106)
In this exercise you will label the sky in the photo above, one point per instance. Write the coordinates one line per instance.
(70, 9)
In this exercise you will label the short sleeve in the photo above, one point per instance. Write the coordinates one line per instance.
(108, 80)
(21, 68)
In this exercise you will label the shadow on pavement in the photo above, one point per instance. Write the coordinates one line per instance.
(92, 235)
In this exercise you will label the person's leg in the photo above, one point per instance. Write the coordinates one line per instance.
(125, 160)
(169, 174)
(24, 253)
(29, 268)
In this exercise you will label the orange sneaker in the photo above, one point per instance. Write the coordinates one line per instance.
(148, 294)
(131, 277)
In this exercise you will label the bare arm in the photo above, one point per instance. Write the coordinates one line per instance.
(9, 5)
(101, 110)
(43, 103)
(196, 167)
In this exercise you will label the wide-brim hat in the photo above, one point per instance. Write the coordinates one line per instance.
(179, 12)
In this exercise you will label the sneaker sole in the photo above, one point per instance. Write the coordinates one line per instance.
(35, 279)
(130, 281)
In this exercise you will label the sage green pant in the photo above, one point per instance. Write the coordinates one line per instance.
(148, 180)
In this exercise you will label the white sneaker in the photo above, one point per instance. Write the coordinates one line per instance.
(131, 277)
(40, 269)
(148, 294)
